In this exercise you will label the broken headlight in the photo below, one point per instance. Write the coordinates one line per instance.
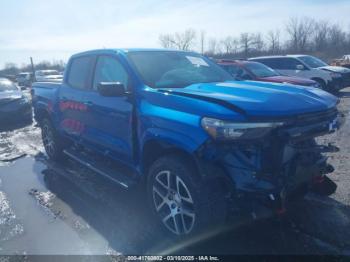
(224, 130)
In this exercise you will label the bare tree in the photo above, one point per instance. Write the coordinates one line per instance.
(166, 40)
(184, 40)
(299, 31)
(273, 39)
(230, 45)
(213, 46)
(337, 37)
(246, 40)
(257, 42)
(180, 40)
(320, 35)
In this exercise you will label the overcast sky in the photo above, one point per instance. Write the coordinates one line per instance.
(55, 29)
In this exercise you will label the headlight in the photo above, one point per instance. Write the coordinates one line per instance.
(335, 75)
(224, 130)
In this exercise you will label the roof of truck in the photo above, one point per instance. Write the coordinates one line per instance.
(123, 50)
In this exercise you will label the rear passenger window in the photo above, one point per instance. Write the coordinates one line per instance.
(80, 72)
(273, 63)
(280, 63)
(288, 64)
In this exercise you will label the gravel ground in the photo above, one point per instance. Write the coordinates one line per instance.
(46, 208)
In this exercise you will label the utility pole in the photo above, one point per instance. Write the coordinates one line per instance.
(33, 70)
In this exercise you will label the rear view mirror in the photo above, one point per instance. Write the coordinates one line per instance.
(111, 89)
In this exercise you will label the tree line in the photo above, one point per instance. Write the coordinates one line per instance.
(304, 35)
(11, 69)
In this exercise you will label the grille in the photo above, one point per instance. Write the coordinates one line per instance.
(312, 118)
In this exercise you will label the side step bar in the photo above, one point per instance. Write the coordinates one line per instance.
(110, 173)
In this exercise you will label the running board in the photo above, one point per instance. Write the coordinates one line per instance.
(110, 173)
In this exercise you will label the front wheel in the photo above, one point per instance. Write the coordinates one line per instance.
(321, 83)
(180, 201)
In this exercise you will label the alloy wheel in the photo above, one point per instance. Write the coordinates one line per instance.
(48, 140)
(173, 202)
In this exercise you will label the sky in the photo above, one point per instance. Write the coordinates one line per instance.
(54, 30)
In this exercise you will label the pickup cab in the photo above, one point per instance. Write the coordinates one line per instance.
(202, 144)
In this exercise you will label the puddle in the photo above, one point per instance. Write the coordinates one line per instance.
(10, 226)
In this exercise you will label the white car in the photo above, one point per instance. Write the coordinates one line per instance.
(24, 79)
(331, 78)
(48, 76)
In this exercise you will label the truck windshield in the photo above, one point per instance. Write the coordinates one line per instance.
(261, 70)
(169, 69)
(312, 62)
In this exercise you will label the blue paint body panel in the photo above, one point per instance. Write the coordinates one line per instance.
(120, 127)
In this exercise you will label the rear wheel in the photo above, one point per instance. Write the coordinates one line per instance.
(53, 143)
(180, 201)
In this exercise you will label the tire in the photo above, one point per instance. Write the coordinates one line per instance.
(187, 205)
(53, 143)
(322, 84)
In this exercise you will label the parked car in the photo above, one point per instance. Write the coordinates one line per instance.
(249, 70)
(15, 107)
(48, 76)
(197, 140)
(343, 62)
(24, 79)
(330, 78)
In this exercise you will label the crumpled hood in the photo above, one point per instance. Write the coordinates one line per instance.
(259, 99)
(335, 69)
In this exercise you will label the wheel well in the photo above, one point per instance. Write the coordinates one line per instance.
(153, 150)
(41, 114)
(317, 79)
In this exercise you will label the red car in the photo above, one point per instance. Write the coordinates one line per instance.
(248, 70)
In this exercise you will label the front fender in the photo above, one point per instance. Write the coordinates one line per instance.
(171, 138)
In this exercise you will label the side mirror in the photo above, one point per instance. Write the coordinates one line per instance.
(23, 87)
(111, 89)
(300, 67)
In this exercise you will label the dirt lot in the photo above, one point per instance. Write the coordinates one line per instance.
(46, 208)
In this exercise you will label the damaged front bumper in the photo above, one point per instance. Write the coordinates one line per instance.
(283, 166)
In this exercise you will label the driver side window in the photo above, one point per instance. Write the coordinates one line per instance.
(108, 69)
(243, 74)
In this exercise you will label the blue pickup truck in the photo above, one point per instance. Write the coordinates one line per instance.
(202, 144)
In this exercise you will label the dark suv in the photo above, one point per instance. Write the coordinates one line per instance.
(329, 78)
(247, 70)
